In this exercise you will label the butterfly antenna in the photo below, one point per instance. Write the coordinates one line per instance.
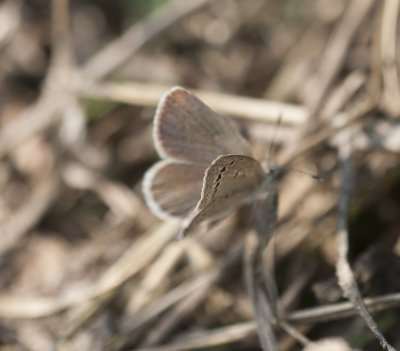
(278, 124)
(313, 176)
(271, 145)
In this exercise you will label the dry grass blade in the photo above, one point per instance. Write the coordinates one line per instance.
(142, 295)
(129, 264)
(343, 270)
(342, 94)
(25, 217)
(358, 111)
(240, 331)
(263, 312)
(337, 46)
(238, 106)
(258, 280)
(390, 73)
(185, 289)
(342, 310)
(61, 39)
(137, 256)
(54, 98)
(185, 297)
(154, 282)
(121, 200)
(182, 310)
(120, 50)
(328, 344)
(33, 120)
(220, 336)
(10, 20)
(294, 70)
(263, 272)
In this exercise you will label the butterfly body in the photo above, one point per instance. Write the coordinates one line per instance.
(207, 169)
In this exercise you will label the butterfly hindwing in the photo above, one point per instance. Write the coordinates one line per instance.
(172, 189)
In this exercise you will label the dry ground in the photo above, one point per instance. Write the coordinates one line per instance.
(84, 263)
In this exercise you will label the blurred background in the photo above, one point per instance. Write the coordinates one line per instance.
(86, 266)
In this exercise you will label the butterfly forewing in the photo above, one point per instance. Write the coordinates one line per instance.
(173, 189)
(188, 130)
(230, 181)
(230, 176)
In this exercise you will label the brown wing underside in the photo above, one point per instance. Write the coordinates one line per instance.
(228, 183)
(188, 130)
(173, 189)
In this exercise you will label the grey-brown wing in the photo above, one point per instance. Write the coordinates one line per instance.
(230, 177)
(230, 181)
(172, 189)
(188, 130)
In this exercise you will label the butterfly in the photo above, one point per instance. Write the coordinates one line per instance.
(207, 168)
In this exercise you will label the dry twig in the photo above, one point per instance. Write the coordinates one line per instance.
(343, 269)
